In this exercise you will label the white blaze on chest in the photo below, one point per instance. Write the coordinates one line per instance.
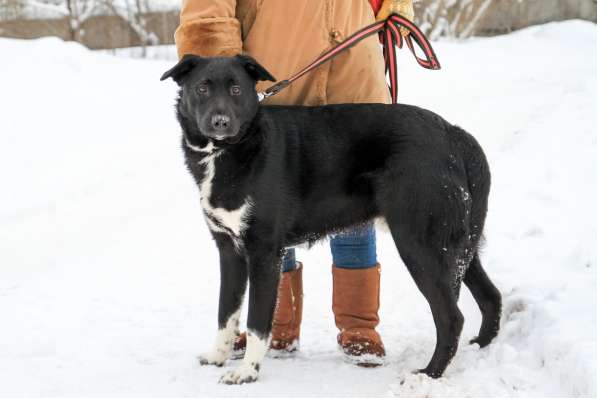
(231, 222)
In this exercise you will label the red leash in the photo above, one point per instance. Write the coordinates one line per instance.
(389, 33)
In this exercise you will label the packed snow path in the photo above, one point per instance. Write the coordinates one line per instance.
(109, 280)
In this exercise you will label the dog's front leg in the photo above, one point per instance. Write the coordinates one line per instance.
(233, 283)
(264, 275)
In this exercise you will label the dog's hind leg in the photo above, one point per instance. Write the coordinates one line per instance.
(434, 277)
(233, 283)
(488, 299)
(264, 275)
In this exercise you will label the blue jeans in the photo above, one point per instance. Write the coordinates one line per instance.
(352, 249)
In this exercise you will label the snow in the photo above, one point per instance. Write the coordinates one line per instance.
(109, 280)
(83, 9)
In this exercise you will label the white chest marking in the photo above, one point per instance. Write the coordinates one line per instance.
(231, 222)
(209, 148)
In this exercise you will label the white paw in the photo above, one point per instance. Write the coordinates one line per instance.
(216, 358)
(242, 374)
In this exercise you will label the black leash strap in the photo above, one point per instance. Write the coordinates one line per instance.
(390, 37)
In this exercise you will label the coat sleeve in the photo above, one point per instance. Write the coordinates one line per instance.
(208, 28)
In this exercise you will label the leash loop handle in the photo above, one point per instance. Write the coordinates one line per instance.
(390, 37)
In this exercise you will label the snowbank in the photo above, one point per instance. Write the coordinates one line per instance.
(109, 280)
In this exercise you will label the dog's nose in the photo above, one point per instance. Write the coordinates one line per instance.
(220, 122)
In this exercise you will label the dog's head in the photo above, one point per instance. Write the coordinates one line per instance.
(218, 95)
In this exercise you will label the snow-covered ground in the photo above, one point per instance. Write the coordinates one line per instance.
(108, 279)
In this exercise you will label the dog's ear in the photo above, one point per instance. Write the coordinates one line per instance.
(253, 68)
(184, 66)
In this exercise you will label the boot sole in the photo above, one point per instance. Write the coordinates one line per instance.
(287, 352)
(364, 360)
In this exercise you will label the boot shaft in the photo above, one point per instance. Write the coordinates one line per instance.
(355, 298)
(289, 308)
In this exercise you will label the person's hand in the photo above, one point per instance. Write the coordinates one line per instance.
(402, 7)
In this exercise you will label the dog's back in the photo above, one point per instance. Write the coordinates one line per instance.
(363, 153)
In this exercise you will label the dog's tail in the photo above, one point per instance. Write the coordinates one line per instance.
(479, 180)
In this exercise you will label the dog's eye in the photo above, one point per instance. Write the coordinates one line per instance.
(235, 90)
(202, 89)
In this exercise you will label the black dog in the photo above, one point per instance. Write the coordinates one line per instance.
(275, 176)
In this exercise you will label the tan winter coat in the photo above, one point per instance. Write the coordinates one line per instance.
(285, 36)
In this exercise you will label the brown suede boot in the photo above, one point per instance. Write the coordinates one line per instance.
(286, 326)
(355, 304)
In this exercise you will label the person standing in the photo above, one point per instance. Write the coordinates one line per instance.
(284, 36)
